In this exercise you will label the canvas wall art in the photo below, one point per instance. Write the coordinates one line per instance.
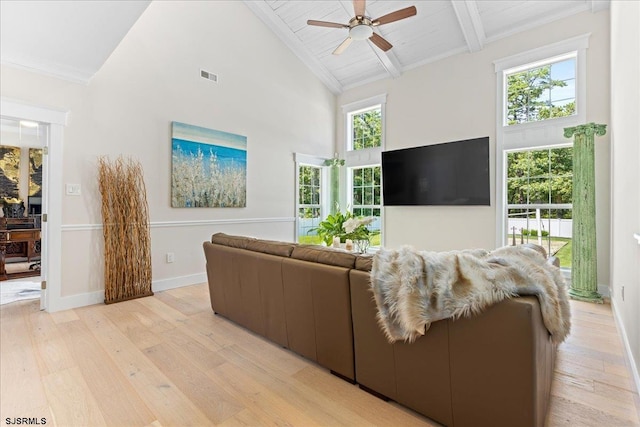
(9, 172)
(208, 168)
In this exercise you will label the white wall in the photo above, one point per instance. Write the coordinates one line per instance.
(153, 78)
(454, 99)
(625, 171)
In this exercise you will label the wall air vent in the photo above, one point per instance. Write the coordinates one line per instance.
(210, 76)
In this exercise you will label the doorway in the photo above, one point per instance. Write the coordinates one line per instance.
(51, 259)
(22, 187)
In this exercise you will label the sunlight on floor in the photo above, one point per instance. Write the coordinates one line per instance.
(19, 289)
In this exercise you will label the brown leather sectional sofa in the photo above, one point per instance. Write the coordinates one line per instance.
(494, 369)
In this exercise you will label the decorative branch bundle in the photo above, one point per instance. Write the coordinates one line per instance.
(125, 218)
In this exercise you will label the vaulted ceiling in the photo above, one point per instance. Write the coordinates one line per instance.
(73, 39)
(66, 39)
(440, 28)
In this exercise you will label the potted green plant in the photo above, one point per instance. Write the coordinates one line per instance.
(333, 226)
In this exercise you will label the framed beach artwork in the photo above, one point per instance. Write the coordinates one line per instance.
(208, 168)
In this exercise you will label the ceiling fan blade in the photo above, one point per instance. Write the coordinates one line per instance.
(395, 16)
(345, 44)
(326, 24)
(359, 6)
(379, 41)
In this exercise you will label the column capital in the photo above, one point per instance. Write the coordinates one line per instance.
(334, 162)
(589, 129)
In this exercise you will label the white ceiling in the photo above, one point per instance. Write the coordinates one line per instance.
(67, 39)
(440, 29)
(73, 39)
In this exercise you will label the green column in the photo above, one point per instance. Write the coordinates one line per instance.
(334, 183)
(584, 274)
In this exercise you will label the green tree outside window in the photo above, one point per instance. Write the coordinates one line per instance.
(366, 190)
(366, 128)
(309, 202)
(541, 93)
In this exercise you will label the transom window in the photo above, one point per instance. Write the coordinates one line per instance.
(366, 128)
(541, 92)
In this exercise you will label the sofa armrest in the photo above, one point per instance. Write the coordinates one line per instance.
(415, 375)
(501, 366)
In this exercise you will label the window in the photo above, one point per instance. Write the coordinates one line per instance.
(365, 197)
(364, 141)
(534, 166)
(311, 196)
(309, 202)
(366, 128)
(542, 92)
(539, 191)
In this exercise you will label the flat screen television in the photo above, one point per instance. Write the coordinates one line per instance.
(448, 174)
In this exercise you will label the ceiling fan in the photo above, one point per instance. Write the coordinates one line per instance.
(361, 26)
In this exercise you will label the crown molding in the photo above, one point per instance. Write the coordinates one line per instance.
(67, 73)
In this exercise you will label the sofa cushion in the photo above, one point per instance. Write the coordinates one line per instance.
(364, 262)
(271, 247)
(324, 255)
(239, 242)
(317, 307)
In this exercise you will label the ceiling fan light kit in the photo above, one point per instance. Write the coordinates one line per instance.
(361, 27)
(362, 30)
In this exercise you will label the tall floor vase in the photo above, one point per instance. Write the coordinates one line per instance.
(584, 274)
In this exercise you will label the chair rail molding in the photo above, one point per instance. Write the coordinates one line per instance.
(188, 223)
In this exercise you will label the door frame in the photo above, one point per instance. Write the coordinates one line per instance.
(51, 271)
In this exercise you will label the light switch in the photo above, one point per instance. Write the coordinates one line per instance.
(73, 189)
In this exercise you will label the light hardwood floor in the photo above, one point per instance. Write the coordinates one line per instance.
(168, 360)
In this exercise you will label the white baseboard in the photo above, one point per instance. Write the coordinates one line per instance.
(75, 301)
(178, 282)
(604, 291)
(627, 346)
(97, 297)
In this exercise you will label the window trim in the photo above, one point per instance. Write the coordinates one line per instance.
(539, 134)
(360, 106)
(350, 142)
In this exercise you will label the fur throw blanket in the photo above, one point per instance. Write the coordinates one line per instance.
(413, 288)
